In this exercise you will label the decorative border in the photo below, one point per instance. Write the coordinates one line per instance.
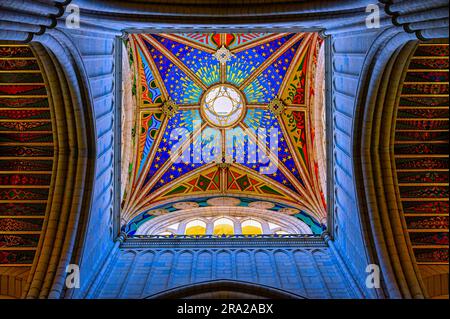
(213, 241)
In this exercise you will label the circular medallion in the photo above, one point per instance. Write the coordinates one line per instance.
(262, 205)
(185, 205)
(223, 106)
(223, 201)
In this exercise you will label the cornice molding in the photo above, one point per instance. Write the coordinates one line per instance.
(236, 241)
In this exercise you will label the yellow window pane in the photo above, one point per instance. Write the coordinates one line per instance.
(251, 230)
(222, 229)
(196, 230)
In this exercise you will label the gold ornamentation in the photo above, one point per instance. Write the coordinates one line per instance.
(224, 165)
(223, 55)
(225, 161)
(170, 108)
(224, 201)
(276, 106)
(261, 205)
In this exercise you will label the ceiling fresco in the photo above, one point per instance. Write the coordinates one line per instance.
(222, 115)
(26, 154)
(421, 151)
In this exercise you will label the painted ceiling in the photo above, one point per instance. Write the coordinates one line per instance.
(26, 154)
(421, 152)
(172, 73)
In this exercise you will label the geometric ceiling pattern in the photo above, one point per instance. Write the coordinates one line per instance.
(266, 155)
(26, 154)
(421, 152)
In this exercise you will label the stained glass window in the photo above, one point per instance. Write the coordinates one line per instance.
(196, 227)
(223, 226)
(251, 227)
(223, 106)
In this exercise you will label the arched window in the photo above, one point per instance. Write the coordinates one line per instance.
(251, 227)
(223, 226)
(195, 227)
(241, 220)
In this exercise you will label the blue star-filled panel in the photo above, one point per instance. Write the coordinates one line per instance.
(245, 152)
(181, 123)
(193, 158)
(245, 62)
(202, 63)
(266, 120)
(265, 87)
(181, 89)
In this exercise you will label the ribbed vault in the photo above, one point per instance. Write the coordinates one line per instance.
(268, 151)
(368, 225)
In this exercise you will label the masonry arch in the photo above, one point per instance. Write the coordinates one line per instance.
(225, 289)
(375, 110)
(73, 171)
